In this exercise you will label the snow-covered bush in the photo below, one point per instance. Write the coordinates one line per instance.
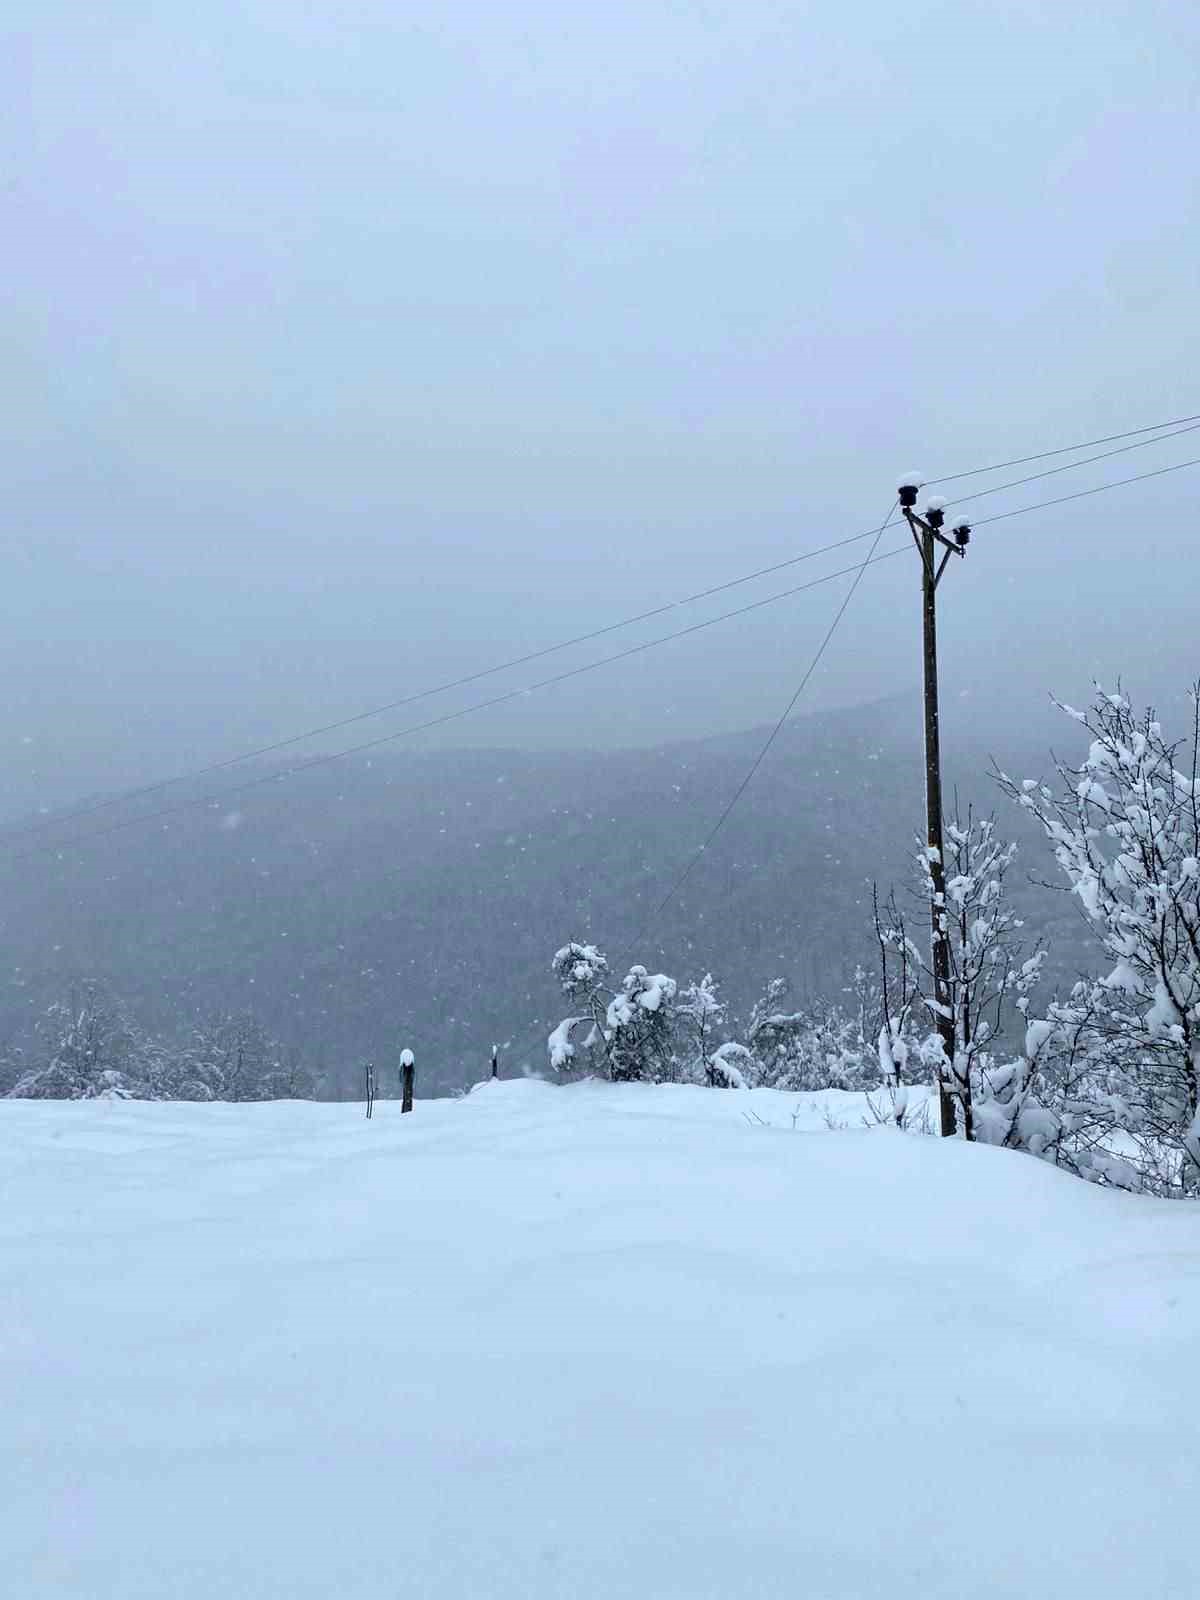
(639, 1027)
(642, 1030)
(699, 1013)
(816, 1047)
(731, 1066)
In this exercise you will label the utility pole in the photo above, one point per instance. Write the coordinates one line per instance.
(935, 551)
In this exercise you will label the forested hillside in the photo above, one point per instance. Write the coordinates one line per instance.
(418, 898)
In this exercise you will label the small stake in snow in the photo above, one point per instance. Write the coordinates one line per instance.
(370, 1088)
(407, 1071)
(935, 550)
(495, 1061)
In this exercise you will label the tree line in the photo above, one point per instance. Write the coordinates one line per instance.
(86, 1045)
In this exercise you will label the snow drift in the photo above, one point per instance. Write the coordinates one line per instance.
(592, 1341)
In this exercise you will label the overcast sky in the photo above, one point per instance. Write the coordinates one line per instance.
(351, 346)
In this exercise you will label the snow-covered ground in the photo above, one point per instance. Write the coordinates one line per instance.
(593, 1341)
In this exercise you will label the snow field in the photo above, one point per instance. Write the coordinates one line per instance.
(602, 1340)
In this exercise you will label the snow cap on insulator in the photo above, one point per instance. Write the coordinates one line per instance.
(962, 532)
(910, 483)
(935, 510)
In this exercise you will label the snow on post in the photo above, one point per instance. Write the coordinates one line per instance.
(407, 1073)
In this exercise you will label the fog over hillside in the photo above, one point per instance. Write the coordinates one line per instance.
(418, 897)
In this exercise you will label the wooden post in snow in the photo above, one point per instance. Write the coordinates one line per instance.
(495, 1061)
(935, 550)
(407, 1073)
(370, 1088)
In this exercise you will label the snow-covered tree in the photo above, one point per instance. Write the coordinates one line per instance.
(194, 1070)
(639, 1026)
(699, 1012)
(287, 1079)
(582, 973)
(87, 1047)
(232, 1057)
(988, 969)
(1125, 829)
(896, 994)
(1058, 1097)
(815, 1047)
(13, 1066)
(989, 976)
(87, 1044)
(630, 1031)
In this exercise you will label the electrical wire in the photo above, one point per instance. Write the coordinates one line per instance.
(1065, 449)
(1082, 494)
(195, 774)
(692, 861)
(1033, 477)
(58, 847)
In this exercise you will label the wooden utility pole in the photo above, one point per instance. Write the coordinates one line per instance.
(407, 1073)
(935, 551)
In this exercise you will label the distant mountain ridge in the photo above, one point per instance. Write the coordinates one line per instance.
(417, 898)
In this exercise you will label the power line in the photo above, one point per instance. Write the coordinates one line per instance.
(197, 773)
(690, 864)
(193, 775)
(1065, 449)
(434, 722)
(1082, 494)
(514, 694)
(1069, 466)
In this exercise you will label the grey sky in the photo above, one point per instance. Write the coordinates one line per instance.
(349, 346)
